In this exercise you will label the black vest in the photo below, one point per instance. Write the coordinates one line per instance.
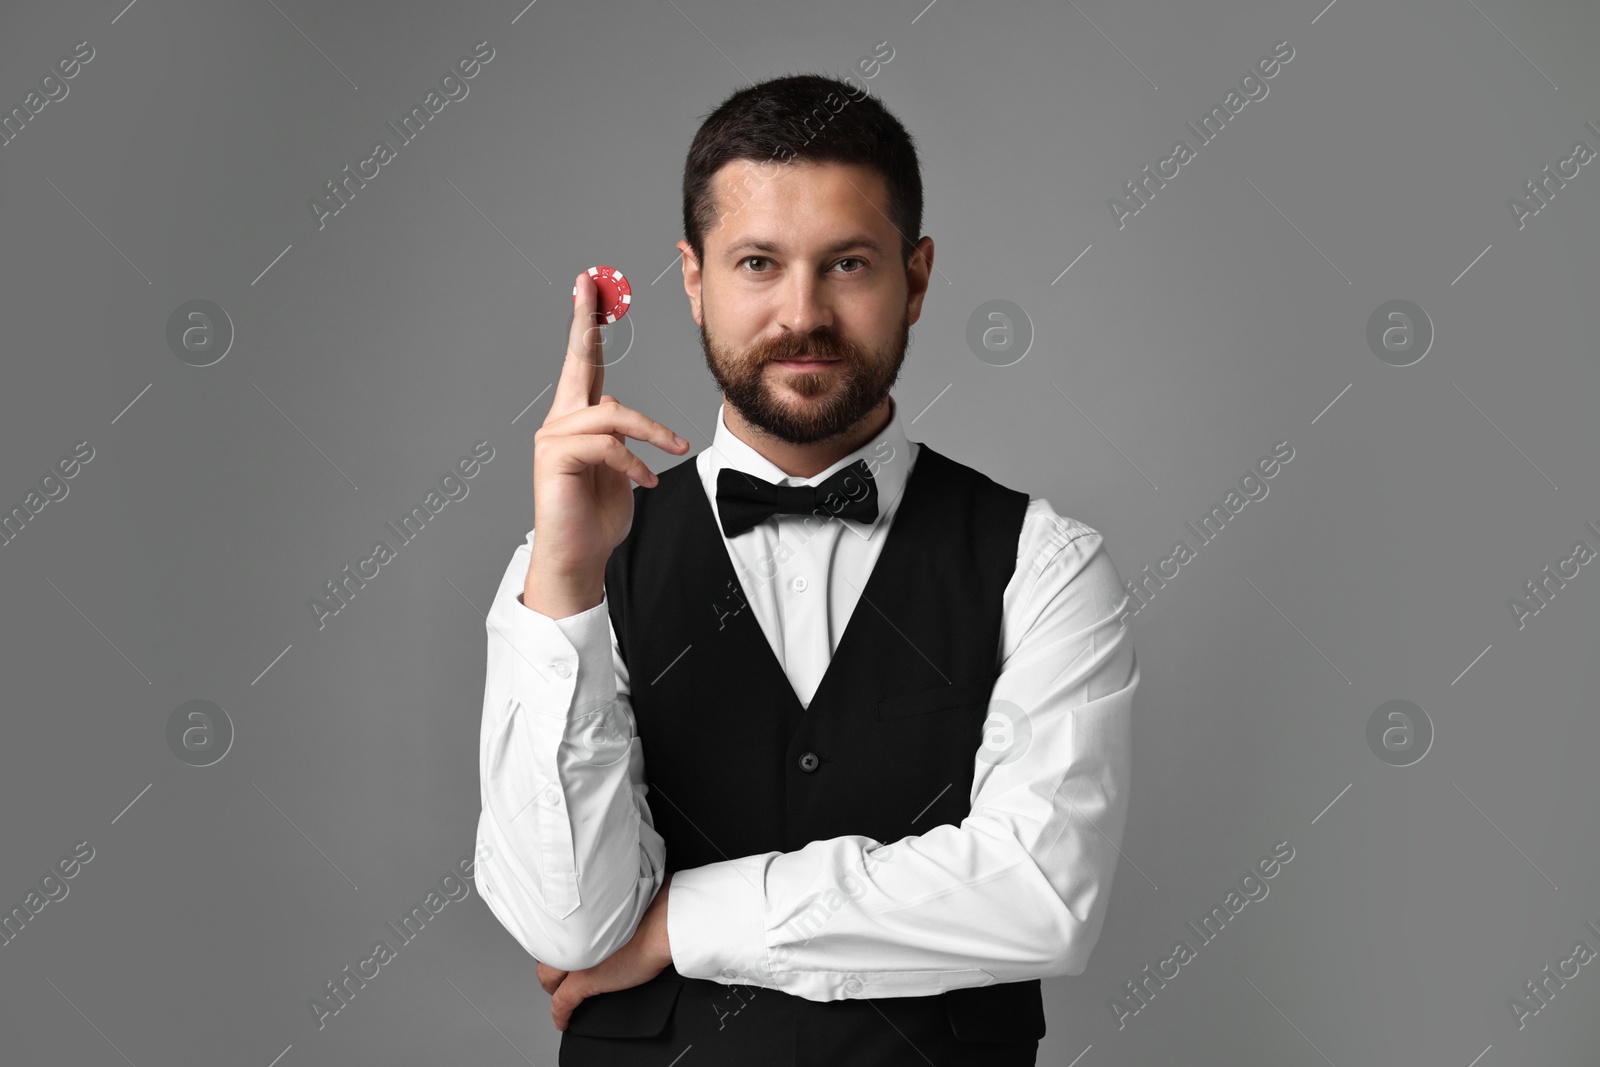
(736, 765)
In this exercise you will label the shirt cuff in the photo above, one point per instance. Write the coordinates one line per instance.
(590, 634)
(569, 659)
(716, 920)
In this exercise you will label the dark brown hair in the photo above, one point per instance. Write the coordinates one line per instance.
(802, 117)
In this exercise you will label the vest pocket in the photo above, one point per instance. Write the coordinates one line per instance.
(638, 1011)
(965, 694)
(1007, 1011)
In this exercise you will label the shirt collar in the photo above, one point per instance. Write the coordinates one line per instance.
(888, 455)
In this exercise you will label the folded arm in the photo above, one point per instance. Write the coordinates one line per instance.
(1019, 889)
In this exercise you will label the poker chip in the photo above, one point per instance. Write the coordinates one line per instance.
(614, 292)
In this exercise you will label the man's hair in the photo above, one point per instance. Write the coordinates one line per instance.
(801, 117)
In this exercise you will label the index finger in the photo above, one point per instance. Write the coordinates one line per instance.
(583, 371)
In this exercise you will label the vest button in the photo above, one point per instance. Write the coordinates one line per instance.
(809, 762)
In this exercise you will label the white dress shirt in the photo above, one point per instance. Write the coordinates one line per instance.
(1018, 890)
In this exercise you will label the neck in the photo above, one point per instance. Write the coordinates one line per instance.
(806, 461)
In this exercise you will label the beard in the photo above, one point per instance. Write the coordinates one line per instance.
(830, 402)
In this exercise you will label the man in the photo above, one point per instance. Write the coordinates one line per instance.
(815, 749)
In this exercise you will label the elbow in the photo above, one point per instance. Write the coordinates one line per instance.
(566, 945)
(569, 957)
(578, 949)
(1070, 959)
(1076, 945)
(565, 949)
(1069, 964)
(579, 946)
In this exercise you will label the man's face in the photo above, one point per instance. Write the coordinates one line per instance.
(804, 263)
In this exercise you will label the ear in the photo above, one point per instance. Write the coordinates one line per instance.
(917, 273)
(691, 280)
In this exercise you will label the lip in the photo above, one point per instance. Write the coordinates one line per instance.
(806, 364)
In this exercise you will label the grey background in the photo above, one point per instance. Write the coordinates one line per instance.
(1177, 350)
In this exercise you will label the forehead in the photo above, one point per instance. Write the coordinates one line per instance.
(799, 203)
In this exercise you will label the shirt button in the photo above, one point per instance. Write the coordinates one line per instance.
(808, 762)
(562, 670)
(799, 585)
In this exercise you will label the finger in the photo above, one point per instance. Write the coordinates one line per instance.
(613, 417)
(592, 450)
(604, 398)
(550, 978)
(582, 375)
(564, 1003)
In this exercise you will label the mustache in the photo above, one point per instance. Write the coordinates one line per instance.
(819, 345)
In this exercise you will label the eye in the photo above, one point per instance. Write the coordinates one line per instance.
(748, 259)
(854, 259)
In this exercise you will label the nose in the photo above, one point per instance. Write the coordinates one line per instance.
(805, 307)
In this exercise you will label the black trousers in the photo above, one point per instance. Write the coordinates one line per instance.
(651, 1025)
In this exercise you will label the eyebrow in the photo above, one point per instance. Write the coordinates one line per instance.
(861, 241)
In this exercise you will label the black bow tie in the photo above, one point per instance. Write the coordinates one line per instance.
(744, 500)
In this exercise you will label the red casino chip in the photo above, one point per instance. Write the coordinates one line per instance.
(614, 292)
